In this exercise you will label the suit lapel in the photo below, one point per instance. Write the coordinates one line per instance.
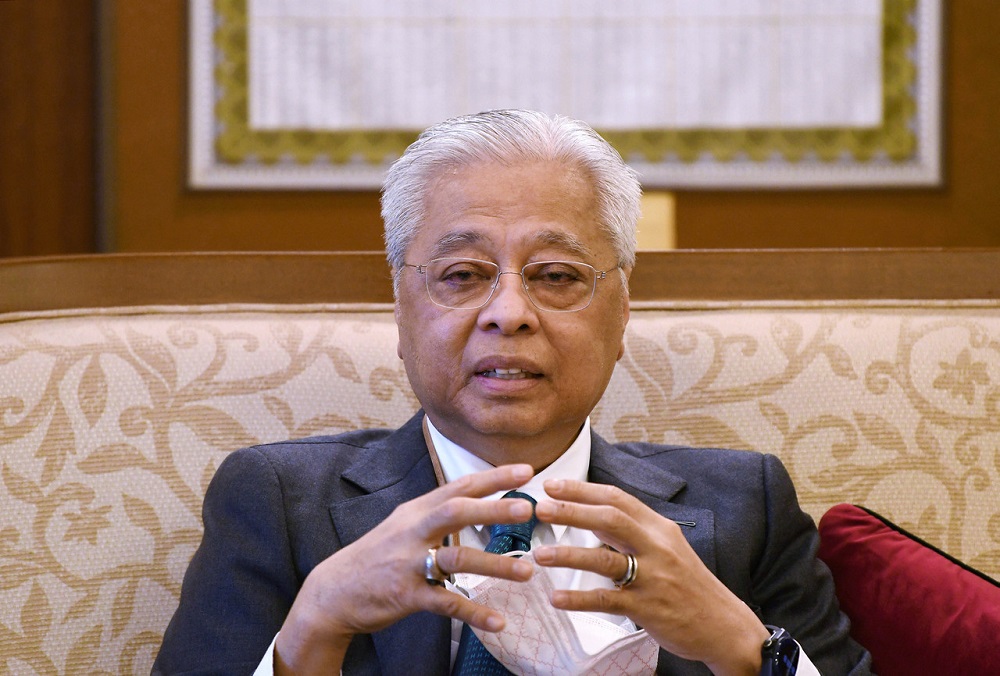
(396, 470)
(644, 478)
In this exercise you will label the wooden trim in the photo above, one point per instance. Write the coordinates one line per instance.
(818, 274)
(118, 280)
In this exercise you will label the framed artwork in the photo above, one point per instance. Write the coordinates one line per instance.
(324, 94)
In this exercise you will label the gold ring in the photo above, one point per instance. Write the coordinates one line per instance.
(432, 571)
(630, 574)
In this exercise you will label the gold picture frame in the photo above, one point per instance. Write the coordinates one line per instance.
(903, 151)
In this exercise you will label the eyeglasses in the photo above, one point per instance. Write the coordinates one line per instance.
(467, 283)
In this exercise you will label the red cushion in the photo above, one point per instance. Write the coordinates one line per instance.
(916, 609)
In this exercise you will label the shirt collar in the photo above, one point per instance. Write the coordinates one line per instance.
(574, 463)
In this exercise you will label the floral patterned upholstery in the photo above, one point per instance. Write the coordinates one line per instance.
(113, 422)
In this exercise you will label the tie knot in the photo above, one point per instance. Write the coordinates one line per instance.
(511, 537)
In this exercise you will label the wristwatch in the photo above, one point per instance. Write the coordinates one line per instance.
(779, 655)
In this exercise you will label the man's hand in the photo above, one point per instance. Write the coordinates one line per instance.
(685, 608)
(380, 578)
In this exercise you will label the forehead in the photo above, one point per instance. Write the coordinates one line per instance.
(488, 207)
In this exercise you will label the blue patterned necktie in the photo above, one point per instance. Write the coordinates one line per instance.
(473, 658)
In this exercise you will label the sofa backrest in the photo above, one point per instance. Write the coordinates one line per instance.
(124, 381)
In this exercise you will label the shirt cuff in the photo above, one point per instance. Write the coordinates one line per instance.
(266, 666)
(805, 667)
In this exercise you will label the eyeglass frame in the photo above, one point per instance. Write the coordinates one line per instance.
(598, 275)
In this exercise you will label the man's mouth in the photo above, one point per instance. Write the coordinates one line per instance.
(508, 374)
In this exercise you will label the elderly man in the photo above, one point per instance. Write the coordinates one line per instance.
(511, 236)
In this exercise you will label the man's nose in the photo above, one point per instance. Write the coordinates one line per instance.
(515, 285)
(509, 308)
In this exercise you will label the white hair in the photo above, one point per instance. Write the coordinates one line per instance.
(507, 137)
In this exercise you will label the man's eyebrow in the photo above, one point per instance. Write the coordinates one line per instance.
(563, 240)
(453, 241)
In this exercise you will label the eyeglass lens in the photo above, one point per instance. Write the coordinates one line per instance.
(464, 283)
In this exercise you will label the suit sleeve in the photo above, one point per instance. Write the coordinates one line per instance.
(241, 582)
(794, 589)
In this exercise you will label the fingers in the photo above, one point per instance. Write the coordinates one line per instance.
(481, 484)
(611, 524)
(617, 518)
(603, 561)
(383, 576)
(600, 560)
(457, 504)
(456, 513)
(471, 560)
(467, 559)
(610, 601)
(452, 604)
(587, 493)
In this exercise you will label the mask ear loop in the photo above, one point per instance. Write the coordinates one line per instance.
(452, 539)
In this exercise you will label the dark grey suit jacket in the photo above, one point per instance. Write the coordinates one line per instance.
(273, 512)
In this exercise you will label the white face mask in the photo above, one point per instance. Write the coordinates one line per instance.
(540, 639)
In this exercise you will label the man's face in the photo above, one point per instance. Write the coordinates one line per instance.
(561, 361)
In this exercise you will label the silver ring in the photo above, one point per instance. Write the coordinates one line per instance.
(432, 571)
(630, 574)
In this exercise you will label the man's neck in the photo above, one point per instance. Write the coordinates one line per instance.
(460, 459)
(539, 452)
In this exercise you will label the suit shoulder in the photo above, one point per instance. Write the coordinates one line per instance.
(707, 466)
(356, 439)
(311, 454)
(672, 453)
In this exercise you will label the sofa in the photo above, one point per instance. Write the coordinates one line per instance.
(126, 379)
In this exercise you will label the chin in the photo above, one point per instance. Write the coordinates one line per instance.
(499, 423)
(518, 424)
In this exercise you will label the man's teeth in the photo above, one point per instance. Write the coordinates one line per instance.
(509, 374)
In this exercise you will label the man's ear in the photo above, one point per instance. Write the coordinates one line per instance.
(395, 316)
(396, 312)
(626, 309)
(621, 348)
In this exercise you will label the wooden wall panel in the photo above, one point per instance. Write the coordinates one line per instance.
(47, 127)
(151, 208)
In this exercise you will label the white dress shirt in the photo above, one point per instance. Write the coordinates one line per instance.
(456, 462)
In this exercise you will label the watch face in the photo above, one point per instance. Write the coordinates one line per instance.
(782, 657)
